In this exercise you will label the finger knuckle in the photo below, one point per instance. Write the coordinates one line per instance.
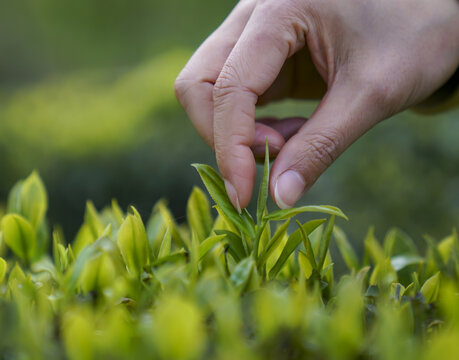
(227, 82)
(181, 86)
(323, 148)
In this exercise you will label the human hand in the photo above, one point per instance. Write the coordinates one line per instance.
(365, 59)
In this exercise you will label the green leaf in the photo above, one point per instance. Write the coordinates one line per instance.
(133, 244)
(273, 243)
(171, 258)
(400, 262)
(14, 198)
(3, 268)
(29, 199)
(431, 288)
(216, 188)
(198, 214)
(397, 242)
(308, 246)
(72, 276)
(325, 242)
(59, 252)
(93, 221)
(289, 213)
(166, 244)
(118, 214)
(235, 244)
(34, 200)
(263, 191)
(347, 252)
(209, 243)
(435, 253)
(241, 274)
(293, 241)
(305, 264)
(160, 220)
(383, 274)
(20, 236)
(372, 248)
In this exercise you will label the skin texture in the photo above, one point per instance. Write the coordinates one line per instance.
(365, 59)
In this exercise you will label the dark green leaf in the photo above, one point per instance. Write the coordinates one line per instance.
(235, 243)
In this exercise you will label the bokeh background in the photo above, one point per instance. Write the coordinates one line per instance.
(86, 97)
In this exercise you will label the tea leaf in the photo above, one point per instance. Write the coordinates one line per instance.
(347, 252)
(178, 330)
(263, 191)
(431, 288)
(235, 244)
(133, 244)
(60, 254)
(198, 214)
(117, 212)
(383, 274)
(241, 273)
(325, 242)
(305, 264)
(33, 200)
(208, 244)
(3, 268)
(372, 247)
(93, 220)
(293, 241)
(273, 243)
(289, 213)
(400, 262)
(216, 188)
(166, 244)
(72, 276)
(397, 242)
(308, 246)
(171, 258)
(20, 236)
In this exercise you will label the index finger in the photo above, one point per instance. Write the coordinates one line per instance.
(252, 66)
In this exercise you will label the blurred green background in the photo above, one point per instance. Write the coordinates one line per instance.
(86, 97)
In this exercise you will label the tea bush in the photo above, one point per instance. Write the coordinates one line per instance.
(233, 287)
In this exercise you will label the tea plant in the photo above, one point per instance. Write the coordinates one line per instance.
(233, 287)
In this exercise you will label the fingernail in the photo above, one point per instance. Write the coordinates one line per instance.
(289, 187)
(232, 194)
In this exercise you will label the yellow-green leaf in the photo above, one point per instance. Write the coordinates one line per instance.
(133, 244)
(289, 213)
(20, 236)
(431, 288)
(198, 214)
(3, 268)
(293, 241)
(216, 188)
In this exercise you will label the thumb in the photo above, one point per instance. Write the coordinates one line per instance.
(344, 114)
